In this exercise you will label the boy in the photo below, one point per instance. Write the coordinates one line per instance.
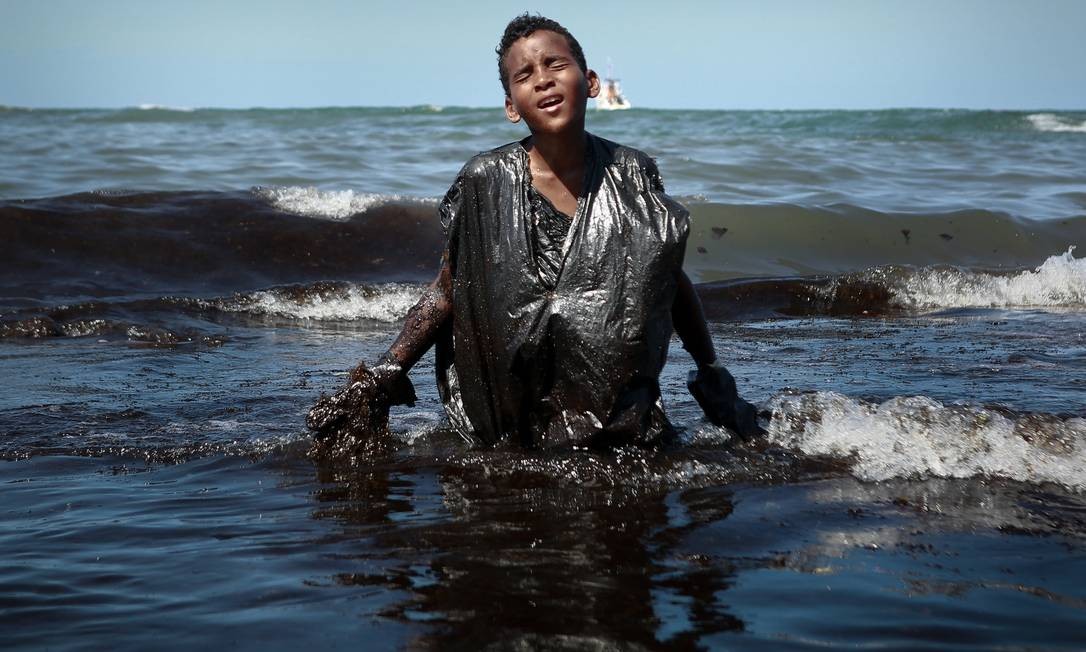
(560, 284)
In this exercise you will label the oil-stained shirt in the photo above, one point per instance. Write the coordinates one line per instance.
(563, 347)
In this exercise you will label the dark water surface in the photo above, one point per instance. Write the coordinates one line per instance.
(229, 552)
(161, 496)
(898, 291)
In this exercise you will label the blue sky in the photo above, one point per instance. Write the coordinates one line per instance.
(772, 54)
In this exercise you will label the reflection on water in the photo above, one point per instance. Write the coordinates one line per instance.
(455, 550)
(633, 550)
(522, 556)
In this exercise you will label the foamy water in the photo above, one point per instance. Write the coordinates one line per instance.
(916, 436)
(1054, 123)
(164, 107)
(386, 302)
(1058, 282)
(327, 204)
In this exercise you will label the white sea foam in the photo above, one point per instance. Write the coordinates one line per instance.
(387, 302)
(1053, 122)
(163, 107)
(327, 204)
(1059, 282)
(920, 437)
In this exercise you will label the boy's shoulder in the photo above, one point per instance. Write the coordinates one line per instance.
(612, 153)
(490, 162)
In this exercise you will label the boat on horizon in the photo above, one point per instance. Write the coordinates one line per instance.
(611, 97)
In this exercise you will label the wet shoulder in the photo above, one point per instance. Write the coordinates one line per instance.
(630, 162)
(497, 161)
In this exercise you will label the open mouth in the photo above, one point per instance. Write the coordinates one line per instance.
(549, 102)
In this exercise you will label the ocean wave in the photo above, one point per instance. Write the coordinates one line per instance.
(387, 302)
(1055, 123)
(140, 320)
(918, 436)
(801, 260)
(211, 242)
(904, 437)
(164, 107)
(327, 204)
(1058, 282)
(732, 240)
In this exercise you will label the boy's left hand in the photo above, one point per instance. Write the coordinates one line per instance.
(714, 389)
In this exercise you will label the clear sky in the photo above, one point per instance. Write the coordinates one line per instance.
(772, 54)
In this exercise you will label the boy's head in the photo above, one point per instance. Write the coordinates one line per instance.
(543, 71)
(526, 24)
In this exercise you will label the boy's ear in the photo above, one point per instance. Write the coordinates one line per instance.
(593, 83)
(511, 112)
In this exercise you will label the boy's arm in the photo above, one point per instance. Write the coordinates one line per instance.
(689, 320)
(360, 409)
(423, 321)
(711, 384)
(419, 333)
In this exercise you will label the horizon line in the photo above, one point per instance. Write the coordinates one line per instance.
(151, 106)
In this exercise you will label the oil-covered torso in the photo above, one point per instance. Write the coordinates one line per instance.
(566, 356)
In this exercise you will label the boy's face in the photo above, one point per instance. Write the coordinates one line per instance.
(546, 86)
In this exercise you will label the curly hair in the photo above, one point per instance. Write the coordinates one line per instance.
(525, 25)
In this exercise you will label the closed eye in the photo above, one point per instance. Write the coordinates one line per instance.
(556, 63)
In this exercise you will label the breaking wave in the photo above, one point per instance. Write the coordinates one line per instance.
(1059, 282)
(328, 204)
(326, 301)
(1055, 123)
(143, 320)
(222, 242)
(921, 437)
(905, 437)
(164, 107)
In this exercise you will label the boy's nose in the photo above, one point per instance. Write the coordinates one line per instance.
(544, 81)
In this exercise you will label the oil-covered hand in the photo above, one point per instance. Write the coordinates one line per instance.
(714, 389)
(360, 408)
(391, 380)
(359, 411)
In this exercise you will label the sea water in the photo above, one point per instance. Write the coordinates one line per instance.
(899, 291)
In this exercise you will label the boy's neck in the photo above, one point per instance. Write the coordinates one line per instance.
(559, 154)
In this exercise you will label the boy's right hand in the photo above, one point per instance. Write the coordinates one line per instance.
(360, 408)
(390, 378)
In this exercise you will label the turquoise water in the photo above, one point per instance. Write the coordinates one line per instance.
(1027, 164)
